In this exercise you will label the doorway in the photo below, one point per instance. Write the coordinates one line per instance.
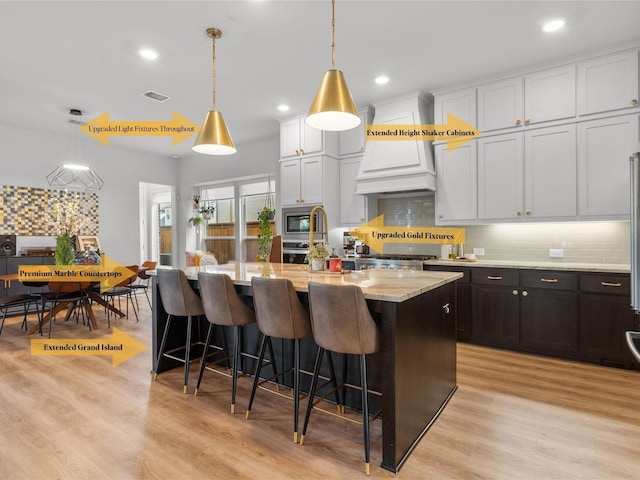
(156, 223)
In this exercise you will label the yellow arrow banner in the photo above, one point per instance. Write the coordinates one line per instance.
(121, 346)
(456, 132)
(375, 234)
(109, 273)
(102, 129)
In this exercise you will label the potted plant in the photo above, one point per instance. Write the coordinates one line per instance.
(266, 235)
(196, 220)
(207, 211)
(318, 254)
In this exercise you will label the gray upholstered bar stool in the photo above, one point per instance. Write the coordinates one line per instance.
(223, 306)
(279, 314)
(179, 300)
(342, 324)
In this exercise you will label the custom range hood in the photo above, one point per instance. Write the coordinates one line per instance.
(401, 165)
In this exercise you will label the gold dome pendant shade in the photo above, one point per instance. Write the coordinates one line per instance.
(214, 137)
(333, 108)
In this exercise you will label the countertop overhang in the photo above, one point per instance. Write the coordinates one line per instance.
(376, 284)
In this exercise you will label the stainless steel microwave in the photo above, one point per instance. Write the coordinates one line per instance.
(297, 222)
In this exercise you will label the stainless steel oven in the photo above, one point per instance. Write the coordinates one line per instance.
(296, 223)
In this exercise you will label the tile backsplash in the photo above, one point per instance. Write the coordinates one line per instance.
(580, 242)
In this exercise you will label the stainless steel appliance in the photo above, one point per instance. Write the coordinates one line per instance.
(297, 221)
(294, 252)
(633, 338)
(389, 262)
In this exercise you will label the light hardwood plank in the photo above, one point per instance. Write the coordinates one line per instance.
(514, 416)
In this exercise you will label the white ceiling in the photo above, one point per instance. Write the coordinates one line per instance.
(58, 55)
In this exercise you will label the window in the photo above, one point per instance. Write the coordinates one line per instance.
(225, 236)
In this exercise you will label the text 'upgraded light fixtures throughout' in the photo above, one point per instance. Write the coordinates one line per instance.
(214, 137)
(333, 108)
(72, 175)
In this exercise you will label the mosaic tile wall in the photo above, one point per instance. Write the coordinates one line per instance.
(22, 210)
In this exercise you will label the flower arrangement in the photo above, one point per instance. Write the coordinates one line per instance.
(64, 216)
(318, 251)
(65, 219)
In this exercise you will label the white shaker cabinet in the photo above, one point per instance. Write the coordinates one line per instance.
(302, 181)
(353, 141)
(298, 139)
(460, 103)
(500, 173)
(529, 176)
(604, 147)
(534, 98)
(608, 83)
(456, 190)
(353, 207)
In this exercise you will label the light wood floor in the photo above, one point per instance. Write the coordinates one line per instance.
(513, 417)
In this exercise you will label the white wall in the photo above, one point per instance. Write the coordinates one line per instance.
(29, 156)
(259, 157)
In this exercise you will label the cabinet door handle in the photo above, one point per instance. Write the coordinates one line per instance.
(446, 308)
(297, 200)
(549, 280)
(297, 151)
(302, 200)
(361, 148)
(518, 122)
(609, 284)
(515, 292)
(519, 213)
(490, 277)
(525, 293)
(302, 150)
(634, 102)
(528, 213)
(527, 120)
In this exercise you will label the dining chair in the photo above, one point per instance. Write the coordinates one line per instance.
(142, 282)
(120, 290)
(73, 295)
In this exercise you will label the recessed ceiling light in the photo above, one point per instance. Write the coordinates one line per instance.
(554, 25)
(283, 108)
(148, 53)
(381, 79)
(175, 157)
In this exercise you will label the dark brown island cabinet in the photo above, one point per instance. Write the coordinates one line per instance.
(568, 314)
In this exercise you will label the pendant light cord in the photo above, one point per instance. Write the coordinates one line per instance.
(214, 73)
(333, 33)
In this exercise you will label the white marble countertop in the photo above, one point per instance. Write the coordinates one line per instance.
(377, 284)
(578, 267)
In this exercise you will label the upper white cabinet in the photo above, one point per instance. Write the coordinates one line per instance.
(353, 141)
(302, 181)
(534, 98)
(460, 103)
(604, 147)
(297, 139)
(528, 175)
(456, 177)
(353, 207)
(608, 83)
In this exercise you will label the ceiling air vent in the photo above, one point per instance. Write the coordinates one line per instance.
(158, 97)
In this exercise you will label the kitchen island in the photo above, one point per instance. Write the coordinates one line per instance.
(416, 368)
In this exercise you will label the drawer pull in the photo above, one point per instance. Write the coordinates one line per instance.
(446, 308)
(549, 280)
(609, 284)
(489, 277)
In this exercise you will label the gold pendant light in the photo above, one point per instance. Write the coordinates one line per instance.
(333, 108)
(214, 137)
